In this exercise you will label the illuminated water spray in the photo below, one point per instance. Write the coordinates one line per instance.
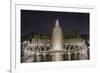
(57, 42)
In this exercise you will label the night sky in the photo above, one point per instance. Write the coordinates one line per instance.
(44, 21)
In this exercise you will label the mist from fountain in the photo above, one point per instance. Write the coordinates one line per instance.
(57, 42)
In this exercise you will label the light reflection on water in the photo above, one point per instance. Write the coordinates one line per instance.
(48, 57)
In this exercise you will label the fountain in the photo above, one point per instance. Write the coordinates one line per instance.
(59, 49)
(57, 42)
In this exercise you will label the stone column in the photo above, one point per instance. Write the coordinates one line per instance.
(75, 57)
(44, 57)
(38, 58)
(69, 56)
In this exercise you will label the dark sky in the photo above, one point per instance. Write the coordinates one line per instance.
(44, 21)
